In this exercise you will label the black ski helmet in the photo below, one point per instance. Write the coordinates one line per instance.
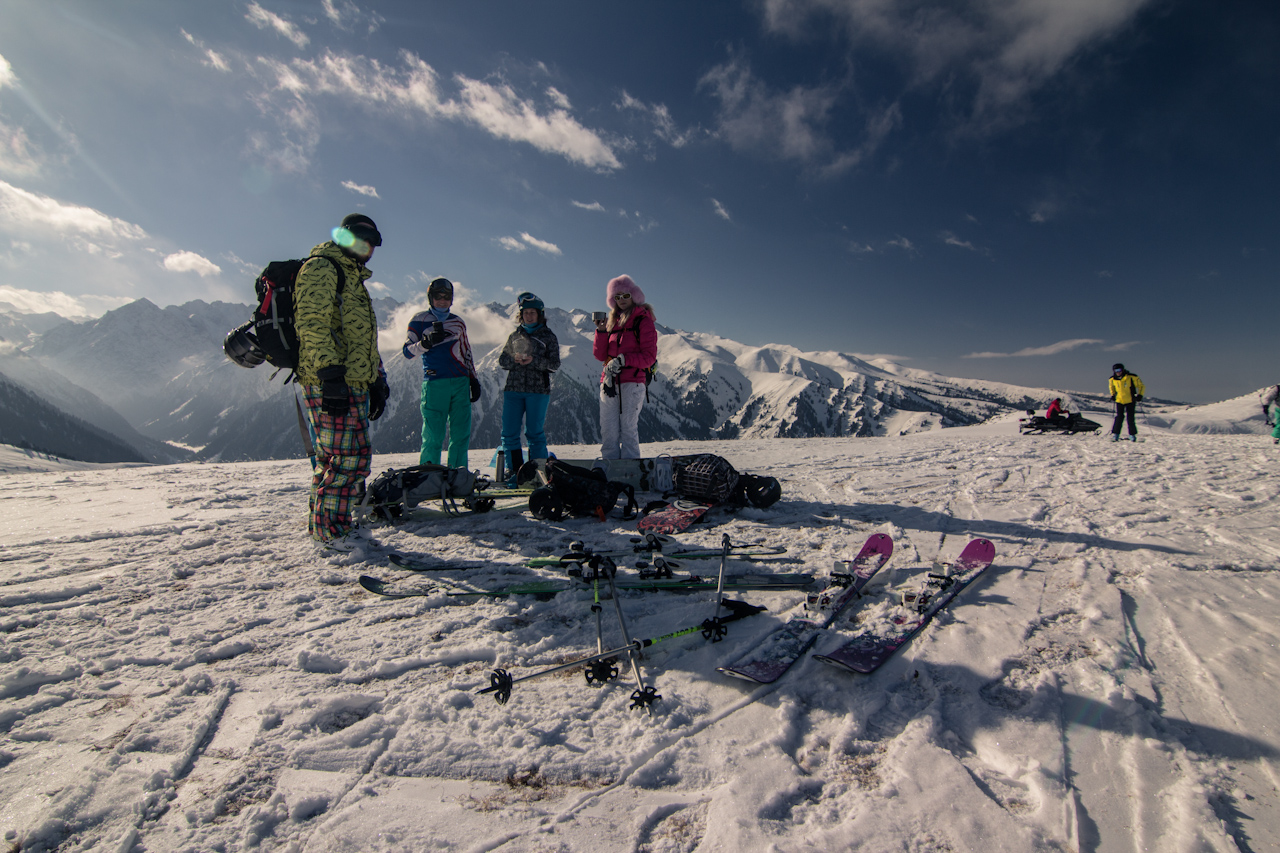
(763, 491)
(362, 227)
(1117, 366)
(545, 504)
(242, 347)
(438, 286)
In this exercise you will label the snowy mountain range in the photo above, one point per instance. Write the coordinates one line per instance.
(157, 381)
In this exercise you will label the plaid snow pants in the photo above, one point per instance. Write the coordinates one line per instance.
(343, 460)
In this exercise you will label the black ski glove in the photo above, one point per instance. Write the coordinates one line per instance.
(476, 390)
(437, 335)
(1138, 398)
(378, 394)
(337, 396)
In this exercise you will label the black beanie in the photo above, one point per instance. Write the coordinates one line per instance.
(1117, 366)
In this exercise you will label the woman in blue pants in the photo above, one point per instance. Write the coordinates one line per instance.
(531, 355)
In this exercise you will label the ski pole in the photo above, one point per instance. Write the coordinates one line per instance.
(599, 671)
(642, 697)
(501, 682)
(718, 629)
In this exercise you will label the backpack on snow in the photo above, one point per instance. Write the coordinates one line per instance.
(271, 334)
(712, 479)
(705, 477)
(393, 492)
(574, 491)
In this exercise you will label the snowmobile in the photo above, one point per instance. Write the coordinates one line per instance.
(1036, 425)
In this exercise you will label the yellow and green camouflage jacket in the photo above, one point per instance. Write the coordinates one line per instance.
(330, 333)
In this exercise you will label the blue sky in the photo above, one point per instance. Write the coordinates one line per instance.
(1020, 190)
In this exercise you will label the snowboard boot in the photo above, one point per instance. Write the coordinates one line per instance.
(1115, 436)
(515, 459)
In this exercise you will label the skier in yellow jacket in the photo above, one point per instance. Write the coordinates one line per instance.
(1126, 392)
(341, 372)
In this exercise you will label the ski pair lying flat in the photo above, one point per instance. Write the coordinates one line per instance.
(870, 648)
(689, 583)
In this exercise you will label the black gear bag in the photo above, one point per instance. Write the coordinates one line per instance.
(579, 492)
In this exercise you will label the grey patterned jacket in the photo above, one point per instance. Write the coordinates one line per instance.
(534, 377)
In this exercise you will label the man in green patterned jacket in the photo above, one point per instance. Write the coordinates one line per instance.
(341, 372)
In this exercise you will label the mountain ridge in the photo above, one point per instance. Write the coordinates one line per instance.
(164, 372)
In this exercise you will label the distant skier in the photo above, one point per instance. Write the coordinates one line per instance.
(1269, 397)
(449, 384)
(1127, 391)
(627, 342)
(531, 355)
(341, 373)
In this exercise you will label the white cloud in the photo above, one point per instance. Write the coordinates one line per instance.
(1007, 49)
(7, 77)
(502, 113)
(595, 205)
(791, 124)
(952, 240)
(659, 118)
(346, 15)
(527, 241)
(720, 210)
(24, 212)
(1051, 349)
(62, 304)
(495, 108)
(17, 156)
(902, 243)
(191, 262)
(372, 192)
(212, 58)
(264, 20)
(558, 98)
(540, 245)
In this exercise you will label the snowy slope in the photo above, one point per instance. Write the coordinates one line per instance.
(180, 671)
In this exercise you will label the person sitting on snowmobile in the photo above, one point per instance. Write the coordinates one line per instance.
(1057, 412)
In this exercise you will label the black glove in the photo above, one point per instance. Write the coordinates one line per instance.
(1139, 398)
(436, 335)
(337, 396)
(475, 389)
(378, 393)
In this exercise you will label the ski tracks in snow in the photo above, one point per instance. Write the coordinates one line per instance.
(190, 674)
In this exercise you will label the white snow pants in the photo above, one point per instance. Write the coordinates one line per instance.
(620, 421)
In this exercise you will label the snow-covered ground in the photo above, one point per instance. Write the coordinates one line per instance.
(179, 670)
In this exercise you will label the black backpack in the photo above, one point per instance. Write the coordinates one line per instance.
(705, 477)
(271, 334)
(712, 479)
(580, 492)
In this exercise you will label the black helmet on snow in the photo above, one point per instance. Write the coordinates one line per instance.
(545, 504)
(763, 492)
(242, 347)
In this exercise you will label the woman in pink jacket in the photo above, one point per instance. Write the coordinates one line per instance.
(627, 343)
